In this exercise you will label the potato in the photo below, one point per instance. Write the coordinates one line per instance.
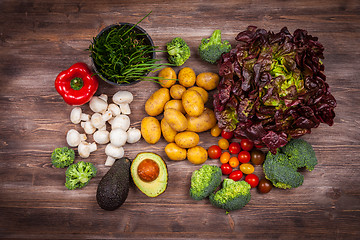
(174, 152)
(187, 77)
(187, 139)
(202, 123)
(167, 132)
(197, 155)
(175, 119)
(150, 130)
(176, 91)
(167, 73)
(203, 93)
(155, 104)
(193, 103)
(208, 80)
(175, 104)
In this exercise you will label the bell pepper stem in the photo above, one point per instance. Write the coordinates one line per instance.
(76, 83)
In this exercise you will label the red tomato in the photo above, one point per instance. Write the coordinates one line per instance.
(214, 152)
(244, 157)
(226, 168)
(227, 135)
(246, 144)
(234, 148)
(252, 179)
(236, 175)
(264, 186)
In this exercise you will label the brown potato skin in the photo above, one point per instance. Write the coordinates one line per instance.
(187, 139)
(202, 123)
(197, 155)
(150, 130)
(203, 93)
(175, 104)
(187, 77)
(167, 132)
(155, 104)
(167, 73)
(207, 80)
(193, 103)
(175, 119)
(176, 91)
(174, 152)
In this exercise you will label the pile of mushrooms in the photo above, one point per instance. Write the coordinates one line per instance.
(116, 114)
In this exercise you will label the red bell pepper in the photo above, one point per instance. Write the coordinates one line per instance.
(77, 84)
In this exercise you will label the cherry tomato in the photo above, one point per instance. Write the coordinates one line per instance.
(225, 157)
(257, 156)
(227, 135)
(264, 186)
(223, 143)
(246, 144)
(252, 179)
(234, 147)
(236, 175)
(215, 131)
(247, 168)
(244, 157)
(214, 152)
(234, 162)
(226, 168)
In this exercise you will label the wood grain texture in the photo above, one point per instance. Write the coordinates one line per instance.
(38, 39)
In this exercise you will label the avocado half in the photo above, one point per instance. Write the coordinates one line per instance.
(149, 173)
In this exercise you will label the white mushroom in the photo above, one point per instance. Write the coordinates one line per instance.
(86, 148)
(113, 153)
(133, 135)
(88, 127)
(101, 137)
(125, 108)
(118, 137)
(103, 97)
(122, 97)
(76, 115)
(97, 120)
(106, 116)
(114, 109)
(121, 121)
(98, 105)
(74, 138)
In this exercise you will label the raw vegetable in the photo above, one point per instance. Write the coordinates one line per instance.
(257, 157)
(223, 143)
(236, 175)
(210, 49)
(226, 169)
(207, 80)
(176, 91)
(79, 174)
(176, 119)
(62, 157)
(156, 103)
(215, 131)
(281, 168)
(234, 148)
(204, 181)
(232, 196)
(76, 115)
(74, 138)
(264, 186)
(167, 132)
(85, 148)
(203, 122)
(234, 162)
(247, 168)
(225, 157)
(244, 157)
(197, 155)
(178, 51)
(226, 134)
(167, 77)
(246, 144)
(193, 103)
(175, 153)
(252, 179)
(214, 152)
(77, 84)
(187, 77)
(273, 87)
(187, 139)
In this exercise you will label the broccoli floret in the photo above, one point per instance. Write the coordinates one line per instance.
(178, 51)
(210, 49)
(204, 181)
(79, 174)
(232, 196)
(62, 157)
(281, 168)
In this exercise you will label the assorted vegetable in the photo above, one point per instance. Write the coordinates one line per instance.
(62, 157)
(210, 49)
(178, 51)
(79, 174)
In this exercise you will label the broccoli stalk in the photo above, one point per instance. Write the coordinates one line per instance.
(204, 181)
(232, 196)
(79, 174)
(210, 49)
(62, 157)
(178, 51)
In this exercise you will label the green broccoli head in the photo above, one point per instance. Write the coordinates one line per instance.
(282, 168)
(79, 174)
(62, 157)
(204, 181)
(232, 196)
(178, 51)
(210, 49)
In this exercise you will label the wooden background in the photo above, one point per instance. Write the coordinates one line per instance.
(38, 39)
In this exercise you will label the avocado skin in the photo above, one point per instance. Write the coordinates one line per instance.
(113, 188)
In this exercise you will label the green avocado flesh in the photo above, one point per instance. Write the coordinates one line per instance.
(149, 173)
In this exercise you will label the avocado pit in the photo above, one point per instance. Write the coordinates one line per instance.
(148, 170)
